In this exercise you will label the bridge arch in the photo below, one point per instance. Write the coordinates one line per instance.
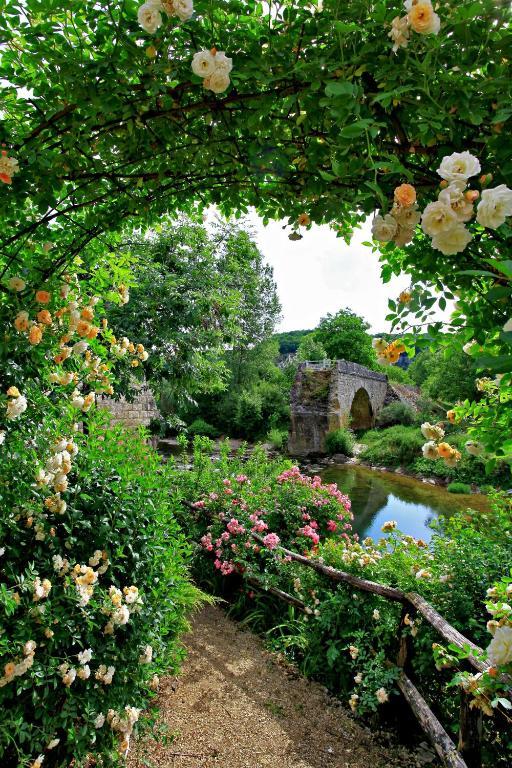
(361, 411)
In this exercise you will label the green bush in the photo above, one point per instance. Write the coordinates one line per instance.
(395, 373)
(397, 446)
(396, 413)
(458, 488)
(201, 427)
(102, 575)
(277, 438)
(340, 441)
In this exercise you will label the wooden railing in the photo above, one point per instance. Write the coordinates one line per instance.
(467, 753)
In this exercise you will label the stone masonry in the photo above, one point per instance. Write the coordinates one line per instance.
(329, 395)
(136, 414)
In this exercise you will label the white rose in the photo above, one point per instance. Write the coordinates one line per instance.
(384, 228)
(500, 647)
(2, 436)
(437, 217)
(430, 451)
(16, 407)
(508, 326)
(218, 82)
(454, 196)
(99, 721)
(406, 217)
(431, 431)
(183, 9)
(379, 344)
(84, 657)
(149, 17)
(203, 64)
(453, 241)
(223, 63)
(459, 167)
(494, 207)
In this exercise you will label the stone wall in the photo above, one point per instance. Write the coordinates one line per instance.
(135, 414)
(329, 395)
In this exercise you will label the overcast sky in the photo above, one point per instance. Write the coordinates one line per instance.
(321, 274)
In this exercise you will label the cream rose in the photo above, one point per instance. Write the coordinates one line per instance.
(452, 241)
(431, 431)
(454, 196)
(494, 207)
(437, 217)
(149, 18)
(459, 167)
(423, 19)
(384, 228)
(500, 647)
(183, 9)
(218, 82)
(399, 32)
(16, 284)
(406, 217)
(203, 63)
(223, 63)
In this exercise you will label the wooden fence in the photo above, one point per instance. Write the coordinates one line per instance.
(467, 753)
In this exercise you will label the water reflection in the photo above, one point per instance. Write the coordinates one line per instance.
(380, 496)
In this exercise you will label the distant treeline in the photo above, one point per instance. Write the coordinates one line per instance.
(289, 341)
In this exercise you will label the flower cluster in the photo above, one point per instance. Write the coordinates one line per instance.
(8, 167)
(214, 67)
(445, 219)
(122, 725)
(388, 353)
(398, 225)
(119, 612)
(16, 404)
(126, 347)
(420, 17)
(491, 687)
(435, 447)
(17, 668)
(150, 13)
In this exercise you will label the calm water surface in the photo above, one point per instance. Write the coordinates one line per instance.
(380, 496)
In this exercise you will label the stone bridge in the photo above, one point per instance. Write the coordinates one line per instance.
(329, 395)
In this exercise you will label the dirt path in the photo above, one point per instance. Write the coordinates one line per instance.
(235, 707)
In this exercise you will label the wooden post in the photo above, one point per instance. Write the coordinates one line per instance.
(405, 646)
(440, 740)
(470, 732)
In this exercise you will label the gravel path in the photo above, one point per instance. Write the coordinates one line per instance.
(235, 707)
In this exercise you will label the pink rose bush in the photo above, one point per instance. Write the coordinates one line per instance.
(243, 519)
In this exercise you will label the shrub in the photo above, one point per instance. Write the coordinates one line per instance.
(340, 441)
(396, 373)
(396, 413)
(201, 427)
(458, 488)
(277, 438)
(397, 446)
(103, 575)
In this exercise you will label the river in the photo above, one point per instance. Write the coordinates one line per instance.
(380, 496)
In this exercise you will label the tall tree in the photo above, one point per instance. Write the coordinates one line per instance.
(344, 337)
(196, 292)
